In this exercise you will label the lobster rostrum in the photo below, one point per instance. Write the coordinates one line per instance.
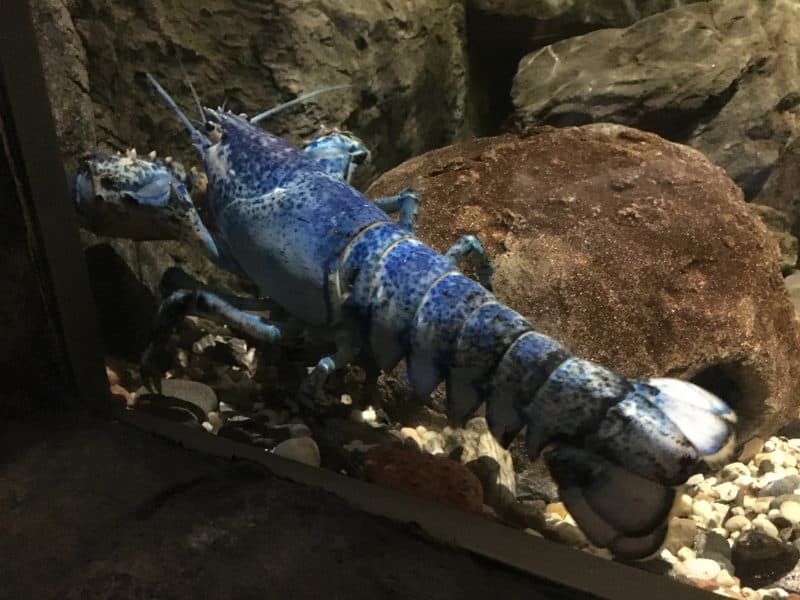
(289, 220)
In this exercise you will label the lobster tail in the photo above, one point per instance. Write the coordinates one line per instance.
(616, 447)
(617, 481)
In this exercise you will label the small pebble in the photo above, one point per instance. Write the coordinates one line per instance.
(762, 523)
(783, 485)
(683, 506)
(556, 508)
(790, 511)
(695, 479)
(301, 449)
(738, 523)
(686, 554)
(725, 579)
(727, 491)
(409, 433)
(703, 509)
(681, 533)
(703, 569)
(569, 534)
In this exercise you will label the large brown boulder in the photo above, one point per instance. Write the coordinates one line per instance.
(634, 251)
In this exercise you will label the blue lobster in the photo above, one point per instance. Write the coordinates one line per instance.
(290, 222)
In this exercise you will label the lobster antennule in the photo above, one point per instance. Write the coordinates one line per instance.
(193, 91)
(199, 140)
(301, 98)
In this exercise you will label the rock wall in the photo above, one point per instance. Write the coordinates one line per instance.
(405, 61)
(719, 76)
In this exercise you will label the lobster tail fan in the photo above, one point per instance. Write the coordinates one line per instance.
(615, 508)
(617, 482)
(705, 420)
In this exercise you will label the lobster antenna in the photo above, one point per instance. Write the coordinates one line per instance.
(188, 81)
(198, 138)
(298, 100)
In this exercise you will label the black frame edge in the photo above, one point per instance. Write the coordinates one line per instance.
(543, 559)
(52, 212)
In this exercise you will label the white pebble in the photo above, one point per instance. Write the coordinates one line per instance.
(725, 579)
(411, 433)
(720, 512)
(703, 509)
(727, 491)
(704, 569)
(721, 531)
(769, 445)
(686, 553)
(734, 470)
(762, 523)
(695, 479)
(790, 510)
(738, 523)
(569, 534)
(669, 557)
(683, 507)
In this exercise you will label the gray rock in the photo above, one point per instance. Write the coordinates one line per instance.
(789, 582)
(779, 226)
(536, 484)
(198, 394)
(780, 189)
(709, 75)
(568, 14)
(476, 441)
(707, 543)
(487, 470)
(64, 62)
(792, 430)
(780, 487)
(792, 283)
(778, 500)
(526, 514)
(682, 532)
(761, 559)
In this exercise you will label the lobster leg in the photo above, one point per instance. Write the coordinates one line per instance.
(468, 246)
(311, 388)
(184, 302)
(406, 203)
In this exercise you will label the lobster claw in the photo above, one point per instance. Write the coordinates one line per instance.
(615, 508)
